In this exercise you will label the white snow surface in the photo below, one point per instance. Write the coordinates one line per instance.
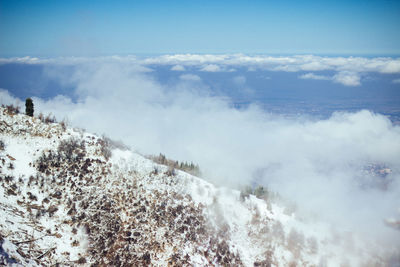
(260, 232)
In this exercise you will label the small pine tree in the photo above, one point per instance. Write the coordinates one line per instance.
(29, 107)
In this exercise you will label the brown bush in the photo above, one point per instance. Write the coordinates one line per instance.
(11, 109)
(71, 149)
(50, 119)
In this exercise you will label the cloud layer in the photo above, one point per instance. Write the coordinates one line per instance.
(316, 163)
(312, 76)
(344, 77)
(348, 71)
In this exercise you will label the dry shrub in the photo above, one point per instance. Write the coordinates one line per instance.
(155, 171)
(71, 149)
(50, 119)
(11, 166)
(105, 147)
(63, 125)
(11, 109)
(264, 263)
(171, 171)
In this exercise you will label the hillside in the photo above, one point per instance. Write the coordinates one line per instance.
(72, 198)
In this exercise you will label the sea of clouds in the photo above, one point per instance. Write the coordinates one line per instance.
(319, 164)
(349, 71)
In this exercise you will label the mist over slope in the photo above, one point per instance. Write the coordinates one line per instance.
(73, 198)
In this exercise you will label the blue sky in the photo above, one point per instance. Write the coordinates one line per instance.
(54, 28)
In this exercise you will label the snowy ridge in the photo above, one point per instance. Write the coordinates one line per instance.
(63, 201)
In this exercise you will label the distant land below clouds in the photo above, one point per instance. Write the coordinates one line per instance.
(298, 84)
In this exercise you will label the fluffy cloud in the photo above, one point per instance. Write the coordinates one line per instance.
(347, 78)
(23, 60)
(211, 68)
(316, 163)
(312, 76)
(186, 59)
(178, 68)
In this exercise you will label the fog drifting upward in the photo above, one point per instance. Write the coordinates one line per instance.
(316, 163)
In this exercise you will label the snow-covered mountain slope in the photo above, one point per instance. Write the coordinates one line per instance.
(66, 201)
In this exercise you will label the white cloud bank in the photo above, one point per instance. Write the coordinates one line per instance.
(211, 68)
(285, 63)
(312, 76)
(178, 68)
(347, 78)
(348, 70)
(344, 77)
(317, 164)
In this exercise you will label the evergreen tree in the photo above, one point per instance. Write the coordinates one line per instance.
(29, 107)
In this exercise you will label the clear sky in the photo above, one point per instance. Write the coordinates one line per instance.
(62, 28)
